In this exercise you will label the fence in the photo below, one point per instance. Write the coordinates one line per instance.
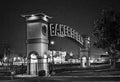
(21, 68)
(17, 69)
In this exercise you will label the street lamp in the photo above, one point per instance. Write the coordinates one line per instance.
(71, 56)
(52, 43)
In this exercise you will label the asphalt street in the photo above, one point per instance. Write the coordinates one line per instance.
(70, 76)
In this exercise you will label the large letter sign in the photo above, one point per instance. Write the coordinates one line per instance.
(62, 30)
(65, 31)
(52, 30)
(57, 30)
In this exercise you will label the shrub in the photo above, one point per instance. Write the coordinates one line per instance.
(41, 73)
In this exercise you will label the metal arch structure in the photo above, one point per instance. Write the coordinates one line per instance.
(37, 38)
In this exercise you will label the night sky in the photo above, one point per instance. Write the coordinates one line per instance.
(78, 14)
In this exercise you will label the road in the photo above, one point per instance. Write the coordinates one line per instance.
(86, 78)
(68, 79)
(96, 75)
(72, 76)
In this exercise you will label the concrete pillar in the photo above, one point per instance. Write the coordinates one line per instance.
(37, 40)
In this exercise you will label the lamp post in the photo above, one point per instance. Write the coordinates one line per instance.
(61, 54)
(52, 43)
(71, 56)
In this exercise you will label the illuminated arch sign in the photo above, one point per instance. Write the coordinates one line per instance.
(65, 31)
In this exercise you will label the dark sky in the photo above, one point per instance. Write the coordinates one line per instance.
(78, 14)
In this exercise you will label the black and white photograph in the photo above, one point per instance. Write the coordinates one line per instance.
(60, 41)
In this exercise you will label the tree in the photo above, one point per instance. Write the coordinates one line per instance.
(107, 33)
(4, 49)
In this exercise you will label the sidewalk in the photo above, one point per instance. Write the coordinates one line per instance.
(25, 75)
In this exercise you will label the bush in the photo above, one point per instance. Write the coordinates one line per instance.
(53, 73)
(117, 64)
(41, 73)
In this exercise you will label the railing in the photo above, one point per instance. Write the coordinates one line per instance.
(21, 68)
(8, 69)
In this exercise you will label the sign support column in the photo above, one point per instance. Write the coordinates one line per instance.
(37, 40)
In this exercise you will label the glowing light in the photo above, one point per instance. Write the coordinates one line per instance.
(45, 18)
(52, 42)
(33, 56)
(33, 17)
(106, 53)
(88, 38)
(14, 59)
(18, 58)
(45, 56)
(5, 58)
(71, 54)
(88, 42)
